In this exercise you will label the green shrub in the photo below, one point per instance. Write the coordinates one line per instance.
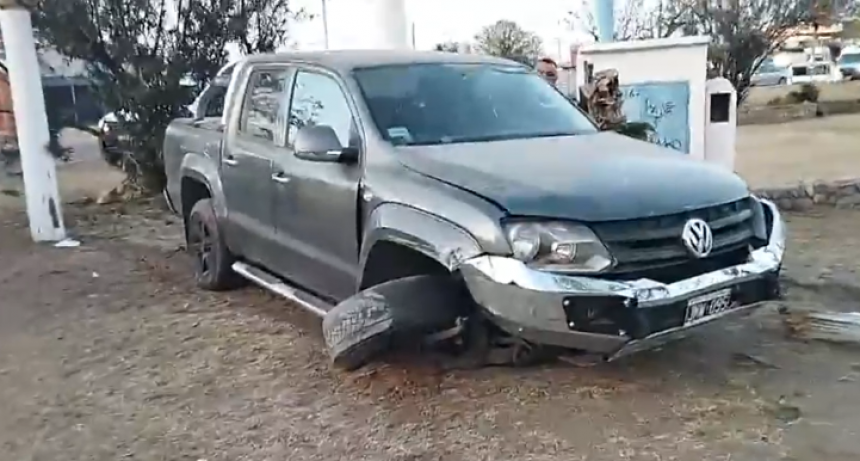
(806, 93)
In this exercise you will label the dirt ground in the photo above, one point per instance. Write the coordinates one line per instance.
(108, 352)
(780, 155)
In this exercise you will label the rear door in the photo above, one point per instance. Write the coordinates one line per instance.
(255, 136)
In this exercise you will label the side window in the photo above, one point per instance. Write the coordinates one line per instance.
(215, 106)
(265, 105)
(318, 100)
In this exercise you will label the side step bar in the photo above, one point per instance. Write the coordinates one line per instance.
(281, 288)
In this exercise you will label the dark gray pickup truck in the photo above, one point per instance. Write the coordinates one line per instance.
(405, 193)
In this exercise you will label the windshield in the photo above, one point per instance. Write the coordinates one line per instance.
(425, 104)
(850, 59)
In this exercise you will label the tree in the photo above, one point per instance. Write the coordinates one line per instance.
(258, 25)
(508, 40)
(634, 19)
(140, 55)
(743, 32)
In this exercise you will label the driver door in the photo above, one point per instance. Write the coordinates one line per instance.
(317, 205)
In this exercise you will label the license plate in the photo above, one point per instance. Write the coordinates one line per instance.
(709, 305)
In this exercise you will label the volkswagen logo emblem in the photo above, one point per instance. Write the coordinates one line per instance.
(698, 237)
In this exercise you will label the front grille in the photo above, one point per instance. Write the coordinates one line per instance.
(652, 247)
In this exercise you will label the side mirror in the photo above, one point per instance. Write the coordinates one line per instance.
(319, 143)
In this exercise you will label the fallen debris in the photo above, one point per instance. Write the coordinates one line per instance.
(67, 243)
(783, 411)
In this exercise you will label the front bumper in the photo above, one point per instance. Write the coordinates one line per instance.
(616, 318)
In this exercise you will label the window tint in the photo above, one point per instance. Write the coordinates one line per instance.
(767, 68)
(265, 105)
(318, 100)
(425, 104)
(215, 107)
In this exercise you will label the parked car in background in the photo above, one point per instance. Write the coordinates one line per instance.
(813, 72)
(113, 140)
(769, 74)
(403, 192)
(849, 65)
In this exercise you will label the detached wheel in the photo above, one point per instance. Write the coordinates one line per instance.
(365, 325)
(211, 258)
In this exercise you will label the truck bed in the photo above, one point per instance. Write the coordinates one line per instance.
(185, 136)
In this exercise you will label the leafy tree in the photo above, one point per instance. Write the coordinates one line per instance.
(508, 40)
(139, 55)
(258, 25)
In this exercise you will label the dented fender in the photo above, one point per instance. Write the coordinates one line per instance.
(431, 235)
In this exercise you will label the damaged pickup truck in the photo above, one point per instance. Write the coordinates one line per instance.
(462, 198)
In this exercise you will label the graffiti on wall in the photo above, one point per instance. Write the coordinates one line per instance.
(665, 106)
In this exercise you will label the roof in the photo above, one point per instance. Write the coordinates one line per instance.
(347, 60)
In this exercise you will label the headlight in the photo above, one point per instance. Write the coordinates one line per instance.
(558, 247)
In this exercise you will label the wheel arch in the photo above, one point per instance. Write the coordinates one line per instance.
(200, 170)
(401, 241)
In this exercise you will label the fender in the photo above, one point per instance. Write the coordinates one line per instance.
(435, 237)
(202, 168)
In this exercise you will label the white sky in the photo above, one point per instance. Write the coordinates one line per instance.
(438, 21)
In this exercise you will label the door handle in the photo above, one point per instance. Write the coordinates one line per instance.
(280, 177)
(230, 160)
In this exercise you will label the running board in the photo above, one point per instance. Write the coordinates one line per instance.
(281, 288)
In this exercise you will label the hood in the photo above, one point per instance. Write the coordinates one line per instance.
(595, 177)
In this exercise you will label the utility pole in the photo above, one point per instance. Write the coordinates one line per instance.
(38, 165)
(325, 22)
(604, 16)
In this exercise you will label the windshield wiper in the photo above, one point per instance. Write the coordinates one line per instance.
(490, 138)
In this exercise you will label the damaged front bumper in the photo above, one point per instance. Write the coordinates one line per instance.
(615, 318)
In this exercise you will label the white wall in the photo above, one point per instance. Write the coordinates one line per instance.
(658, 60)
(721, 135)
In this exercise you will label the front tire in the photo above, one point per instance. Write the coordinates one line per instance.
(364, 326)
(211, 258)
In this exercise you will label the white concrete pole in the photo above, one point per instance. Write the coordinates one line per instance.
(38, 165)
(390, 24)
(325, 22)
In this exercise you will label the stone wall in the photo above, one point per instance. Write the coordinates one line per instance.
(840, 194)
(839, 107)
(768, 114)
(836, 91)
